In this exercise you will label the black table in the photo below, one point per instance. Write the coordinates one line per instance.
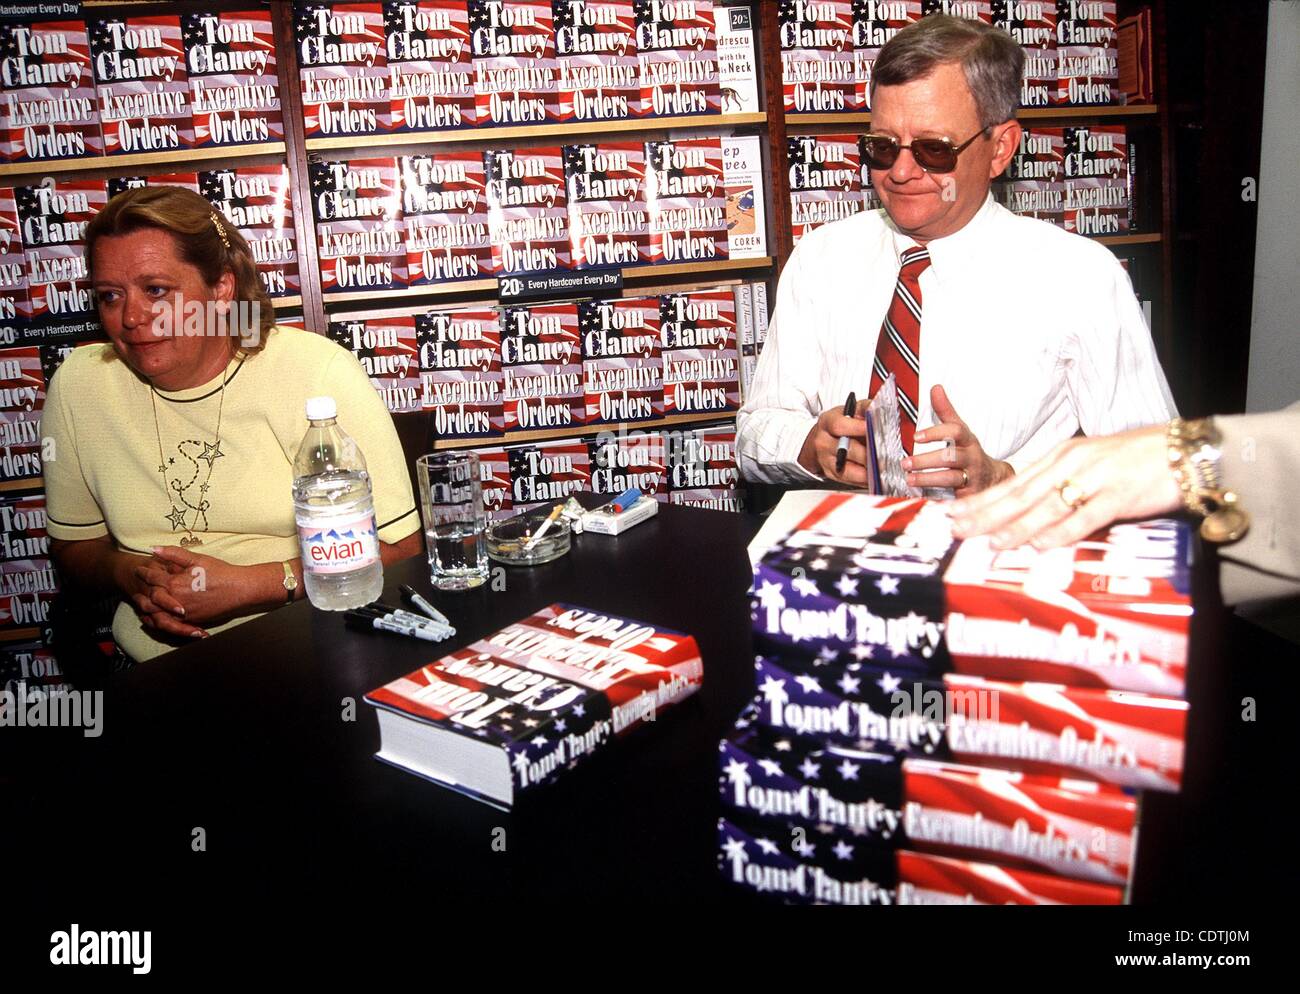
(244, 736)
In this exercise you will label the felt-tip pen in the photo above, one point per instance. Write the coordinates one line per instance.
(842, 449)
(368, 618)
(410, 618)
(412, 597)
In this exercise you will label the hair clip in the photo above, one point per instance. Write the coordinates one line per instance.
(221, 230)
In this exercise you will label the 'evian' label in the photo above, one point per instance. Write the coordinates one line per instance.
(343, 545)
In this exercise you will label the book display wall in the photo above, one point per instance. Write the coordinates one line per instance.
(549, 228)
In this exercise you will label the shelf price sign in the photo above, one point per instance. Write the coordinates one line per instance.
(549, 286)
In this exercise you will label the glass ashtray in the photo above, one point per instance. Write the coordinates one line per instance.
(508, 539)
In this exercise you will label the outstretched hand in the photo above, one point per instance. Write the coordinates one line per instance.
(962, 464)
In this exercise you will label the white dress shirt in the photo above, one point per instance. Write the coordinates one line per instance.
(1033, 331)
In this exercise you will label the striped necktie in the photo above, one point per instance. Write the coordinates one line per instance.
(898, 349)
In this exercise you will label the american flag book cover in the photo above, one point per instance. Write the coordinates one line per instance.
(1087, 42)
(28, 664)
(494, 473)
(22, 527)
(528, 214)
(27, 589)
(386, 348)
(120, 184)
(48, 108)
(587, 678)
(686, 198)
(343, 69)
(628, 459)
(460, 369)
(22, 399)
(596, 61)
(15, 305)
(622, 362)
(1032, 23)
(1034, 181)
(358, 207)
(1074, 828)
(677, 49)
(142, 85)
(608, 221)
(541, 359)
(445, 213)
(257, 200)
(53, 216)
(515, 74)
(701, 468)
(431, 72)
(1096, 180)
(970, 10)
(874, 23)
(742, 180)
(817, 69)
(234, 87)
(825, 180)
(546, 472)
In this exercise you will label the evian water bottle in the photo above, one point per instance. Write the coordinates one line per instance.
(335, 512)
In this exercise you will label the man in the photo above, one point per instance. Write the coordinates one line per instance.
(1028, 331)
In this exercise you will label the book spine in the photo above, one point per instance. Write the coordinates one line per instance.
(431, 73)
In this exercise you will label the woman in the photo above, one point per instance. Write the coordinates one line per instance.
(1238, 473)
(169, 450)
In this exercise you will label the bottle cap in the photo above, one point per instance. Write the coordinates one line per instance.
(321, 408)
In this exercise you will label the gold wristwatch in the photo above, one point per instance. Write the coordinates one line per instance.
(1194, 451)
(290, 581)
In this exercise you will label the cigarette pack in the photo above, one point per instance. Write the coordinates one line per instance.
(1087, 41)
(548, 472)
(632, 459)
(343, 69)
(257, 200)
(541, 360)
(234, 87)
(677, 51)
(686, 199)
(1097, 188)
(142, 85)
(53, 216)
(386, 348)
(515, 74)
(528, 217)
(601, 522)
(742, 174)
(1032, 23)
(445, 214)
(874, 23)
(48, 106)
(460, 371)
(817, 64)
(622, 362)
(595, 49)
(431, 72)
(15, 305)
(608, 221)
(825, 180)
(358, 205)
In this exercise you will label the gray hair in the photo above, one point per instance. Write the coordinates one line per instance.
(991, 59)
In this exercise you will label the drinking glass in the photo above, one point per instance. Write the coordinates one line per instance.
(455, 521)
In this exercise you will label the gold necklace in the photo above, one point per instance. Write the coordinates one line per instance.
(211, 453)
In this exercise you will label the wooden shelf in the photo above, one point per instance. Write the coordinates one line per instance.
(1145, 239)
(797, 121)
(578, 432)
(463, 288)
(289, 303)
(20, 635)
(487, 135)
(153, 160)
(27, 483)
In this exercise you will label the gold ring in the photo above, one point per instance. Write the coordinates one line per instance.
(1072, 494)
(965, 480)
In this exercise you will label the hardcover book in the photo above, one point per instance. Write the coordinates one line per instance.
(547, 472)
(597, 71)
(27, 589)
(1032, 23)
(541, 365)
(119, 184)
(1096, 188)
(445, 214)
(234, 87)
(874, 23)
(737, 63)
(142, 86)
(515, 74)
(343, 69)
(22, 527)
(742, 176)
(386, 348)
(430, 69)
(686, 199)
(528, 215)
(701, 468)
(48, 107)
(15, 305)
(628, 459)
(677, 48)
(22, 399)
(517, 708)
(608, 221)
(969, 10)
(53, 217)
(494, 472)
(360, 240)
(257, 200)
(1087, 44)
(825, 180)
(622, 360)
(817, 64)
(701, 359)
(1034, 185)
(460, 370)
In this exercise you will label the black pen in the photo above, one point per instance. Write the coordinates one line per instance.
(367, 618)
(842, 450)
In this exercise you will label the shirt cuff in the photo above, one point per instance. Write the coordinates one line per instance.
(66, 531)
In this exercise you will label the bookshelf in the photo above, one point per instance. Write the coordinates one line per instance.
(584, 431)
(105, 165)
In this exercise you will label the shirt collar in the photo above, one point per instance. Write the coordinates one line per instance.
(950, 250)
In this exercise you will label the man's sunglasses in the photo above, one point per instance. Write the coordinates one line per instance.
(934, 155)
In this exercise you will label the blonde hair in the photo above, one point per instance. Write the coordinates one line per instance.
(205, 239)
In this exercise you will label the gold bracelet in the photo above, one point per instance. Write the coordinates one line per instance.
(1194, 449)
